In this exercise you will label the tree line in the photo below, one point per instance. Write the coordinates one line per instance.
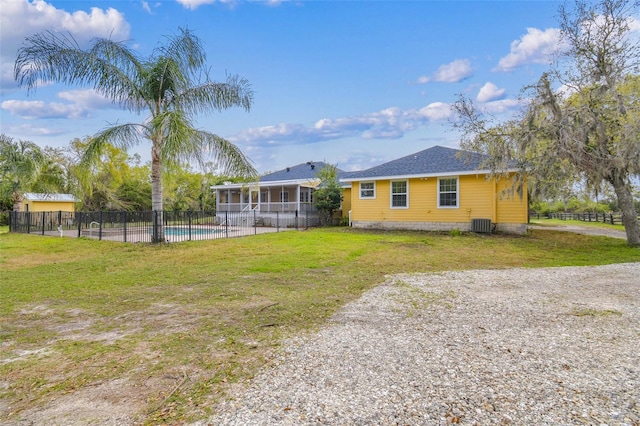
(118, 181)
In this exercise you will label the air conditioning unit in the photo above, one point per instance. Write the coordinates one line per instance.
(481, 226)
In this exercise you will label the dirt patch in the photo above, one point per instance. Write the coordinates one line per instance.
(115, 402)
(75, 368)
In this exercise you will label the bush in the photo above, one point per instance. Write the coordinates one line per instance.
(4, 218)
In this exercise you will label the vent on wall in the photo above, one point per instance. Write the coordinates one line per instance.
(481, 225)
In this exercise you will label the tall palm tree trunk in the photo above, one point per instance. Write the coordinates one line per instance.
(156, 194)
(17, 202)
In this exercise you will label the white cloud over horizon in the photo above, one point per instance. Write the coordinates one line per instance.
(40, 109)
(390, 123)
(81, 103)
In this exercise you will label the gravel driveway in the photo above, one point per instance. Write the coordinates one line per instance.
(552, 346)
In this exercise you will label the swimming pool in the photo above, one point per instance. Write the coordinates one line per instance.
(183, 230)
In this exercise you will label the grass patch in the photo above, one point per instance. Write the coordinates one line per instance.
(179, 323)
(592, 312)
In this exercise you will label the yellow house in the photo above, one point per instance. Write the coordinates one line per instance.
(35, 202)
(437, 189)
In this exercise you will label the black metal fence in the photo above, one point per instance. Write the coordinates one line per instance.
(155, 226)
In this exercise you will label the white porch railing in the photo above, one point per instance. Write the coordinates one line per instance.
(289, 207)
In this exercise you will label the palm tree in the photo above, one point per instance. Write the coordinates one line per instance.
(171, 85)
(21, 165)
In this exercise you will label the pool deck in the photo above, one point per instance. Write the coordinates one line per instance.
(142, 234)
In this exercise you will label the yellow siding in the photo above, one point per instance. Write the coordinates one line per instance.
(48, 206)
(346, 201)
(478, 198)
(512, 208)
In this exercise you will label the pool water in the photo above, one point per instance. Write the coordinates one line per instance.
(178, 231)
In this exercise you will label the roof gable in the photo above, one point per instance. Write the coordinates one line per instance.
(304, 172)
(431, 161)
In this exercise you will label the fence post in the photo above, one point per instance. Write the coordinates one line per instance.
(43, 223)
(124, 225)
(100, 226)
(154, 225)
(296, 220)
(189, 221)
(277, 221)
(255, 223)
(226, 224)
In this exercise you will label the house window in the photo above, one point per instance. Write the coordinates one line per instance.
(367, 190)
(399, 194)
(448, 192)
(264, 197)
(284, 196)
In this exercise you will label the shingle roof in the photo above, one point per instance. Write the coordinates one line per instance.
(304, 171)
(34, 196)
(431, 161)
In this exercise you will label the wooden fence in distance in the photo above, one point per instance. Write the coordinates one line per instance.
(610, 218)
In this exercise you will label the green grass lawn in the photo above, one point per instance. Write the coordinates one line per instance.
(180, 323)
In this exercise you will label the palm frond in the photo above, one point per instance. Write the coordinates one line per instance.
(119, 73)
(227, 156)
(108, 66)
(182, 143)
(186, 49)
(213, 96)
(122, 136)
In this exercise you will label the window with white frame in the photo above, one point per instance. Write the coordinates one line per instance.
(448, 192)
(399, 194)
(264, 197)
(284, 196)
(367, 190)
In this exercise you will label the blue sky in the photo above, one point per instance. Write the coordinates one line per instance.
(351, 83)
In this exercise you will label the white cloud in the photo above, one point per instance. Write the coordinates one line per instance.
(194, 4)
(436, 111)
(87, 98)
(82, 102)
(390, 123)
(29, 130)
(41, 109)
(146, 7)
(490, 92)
(22, 18)
(453, 72)
(502, 106)
(536, 46)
